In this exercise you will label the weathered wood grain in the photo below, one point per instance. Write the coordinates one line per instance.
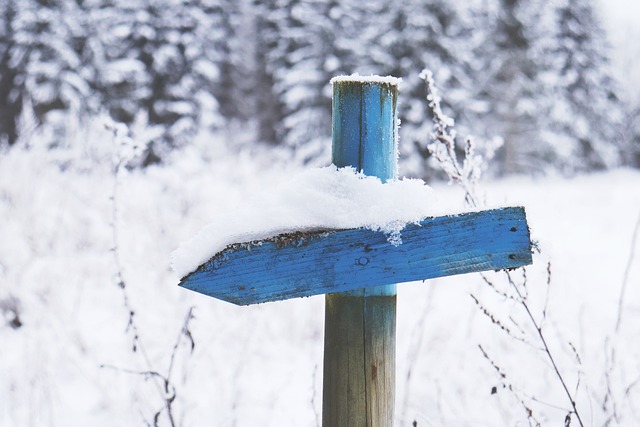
(359, 361)
(360, 325)
(305, 264)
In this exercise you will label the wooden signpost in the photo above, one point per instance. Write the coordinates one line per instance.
(357, 269)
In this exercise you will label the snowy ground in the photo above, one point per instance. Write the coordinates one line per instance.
(262, 365)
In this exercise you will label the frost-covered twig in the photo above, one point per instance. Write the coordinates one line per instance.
(500, 324)
(609, 397)
(610, 403)
(546, 297)
(168, 390)
(466, 175)
(313, 396)
(625, 279)
(185, 333)
(169, 393)
(126, 149)
(520, 298)
(547, 351)
(509, 386)
(443, 147)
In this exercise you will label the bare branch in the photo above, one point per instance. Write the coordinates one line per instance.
(547, 351)
(125, 150)
(627, 269)
(466, 175)
(496, 321)
(184, 333)
(510, 388)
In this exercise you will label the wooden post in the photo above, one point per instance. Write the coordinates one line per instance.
(360, 325)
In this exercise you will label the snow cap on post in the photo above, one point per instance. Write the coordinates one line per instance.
(356, 78)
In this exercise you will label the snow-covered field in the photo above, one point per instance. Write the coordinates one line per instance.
(68, 359)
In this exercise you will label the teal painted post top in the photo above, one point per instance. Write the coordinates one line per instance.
(365, 133)
(365, 125)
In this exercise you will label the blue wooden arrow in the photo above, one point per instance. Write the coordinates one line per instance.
(305, 264)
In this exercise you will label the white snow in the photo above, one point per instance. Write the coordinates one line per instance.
(262, 365)
(357, 78)
(320, 198)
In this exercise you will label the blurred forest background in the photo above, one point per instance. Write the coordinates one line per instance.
(535, 75)
(127, 125)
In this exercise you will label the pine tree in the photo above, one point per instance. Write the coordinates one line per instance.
(122, 34)
(587, 110)
(305, 49)
(305, 43)
(268, 105)
(233, 52)
(10, 100)
(43, 47)
(428, 34)
(504, 95)
(156, 65)
(630, 130)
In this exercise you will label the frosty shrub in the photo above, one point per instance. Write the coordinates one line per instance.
(516, 291)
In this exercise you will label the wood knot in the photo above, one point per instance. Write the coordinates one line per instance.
(363, 260)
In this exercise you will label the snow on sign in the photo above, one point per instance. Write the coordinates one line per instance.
(319, 258)
(309, 263)
(357, 268)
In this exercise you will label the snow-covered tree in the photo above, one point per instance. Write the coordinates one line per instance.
(507, 97)
(43, 63)
(630, 130)
(233, 52)
(10, 101)
(157, 65)
(306, 47)
(586, 108)
(537, 78)
(430, 34)
(534, 74)
(306, 43)
(268, 105)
